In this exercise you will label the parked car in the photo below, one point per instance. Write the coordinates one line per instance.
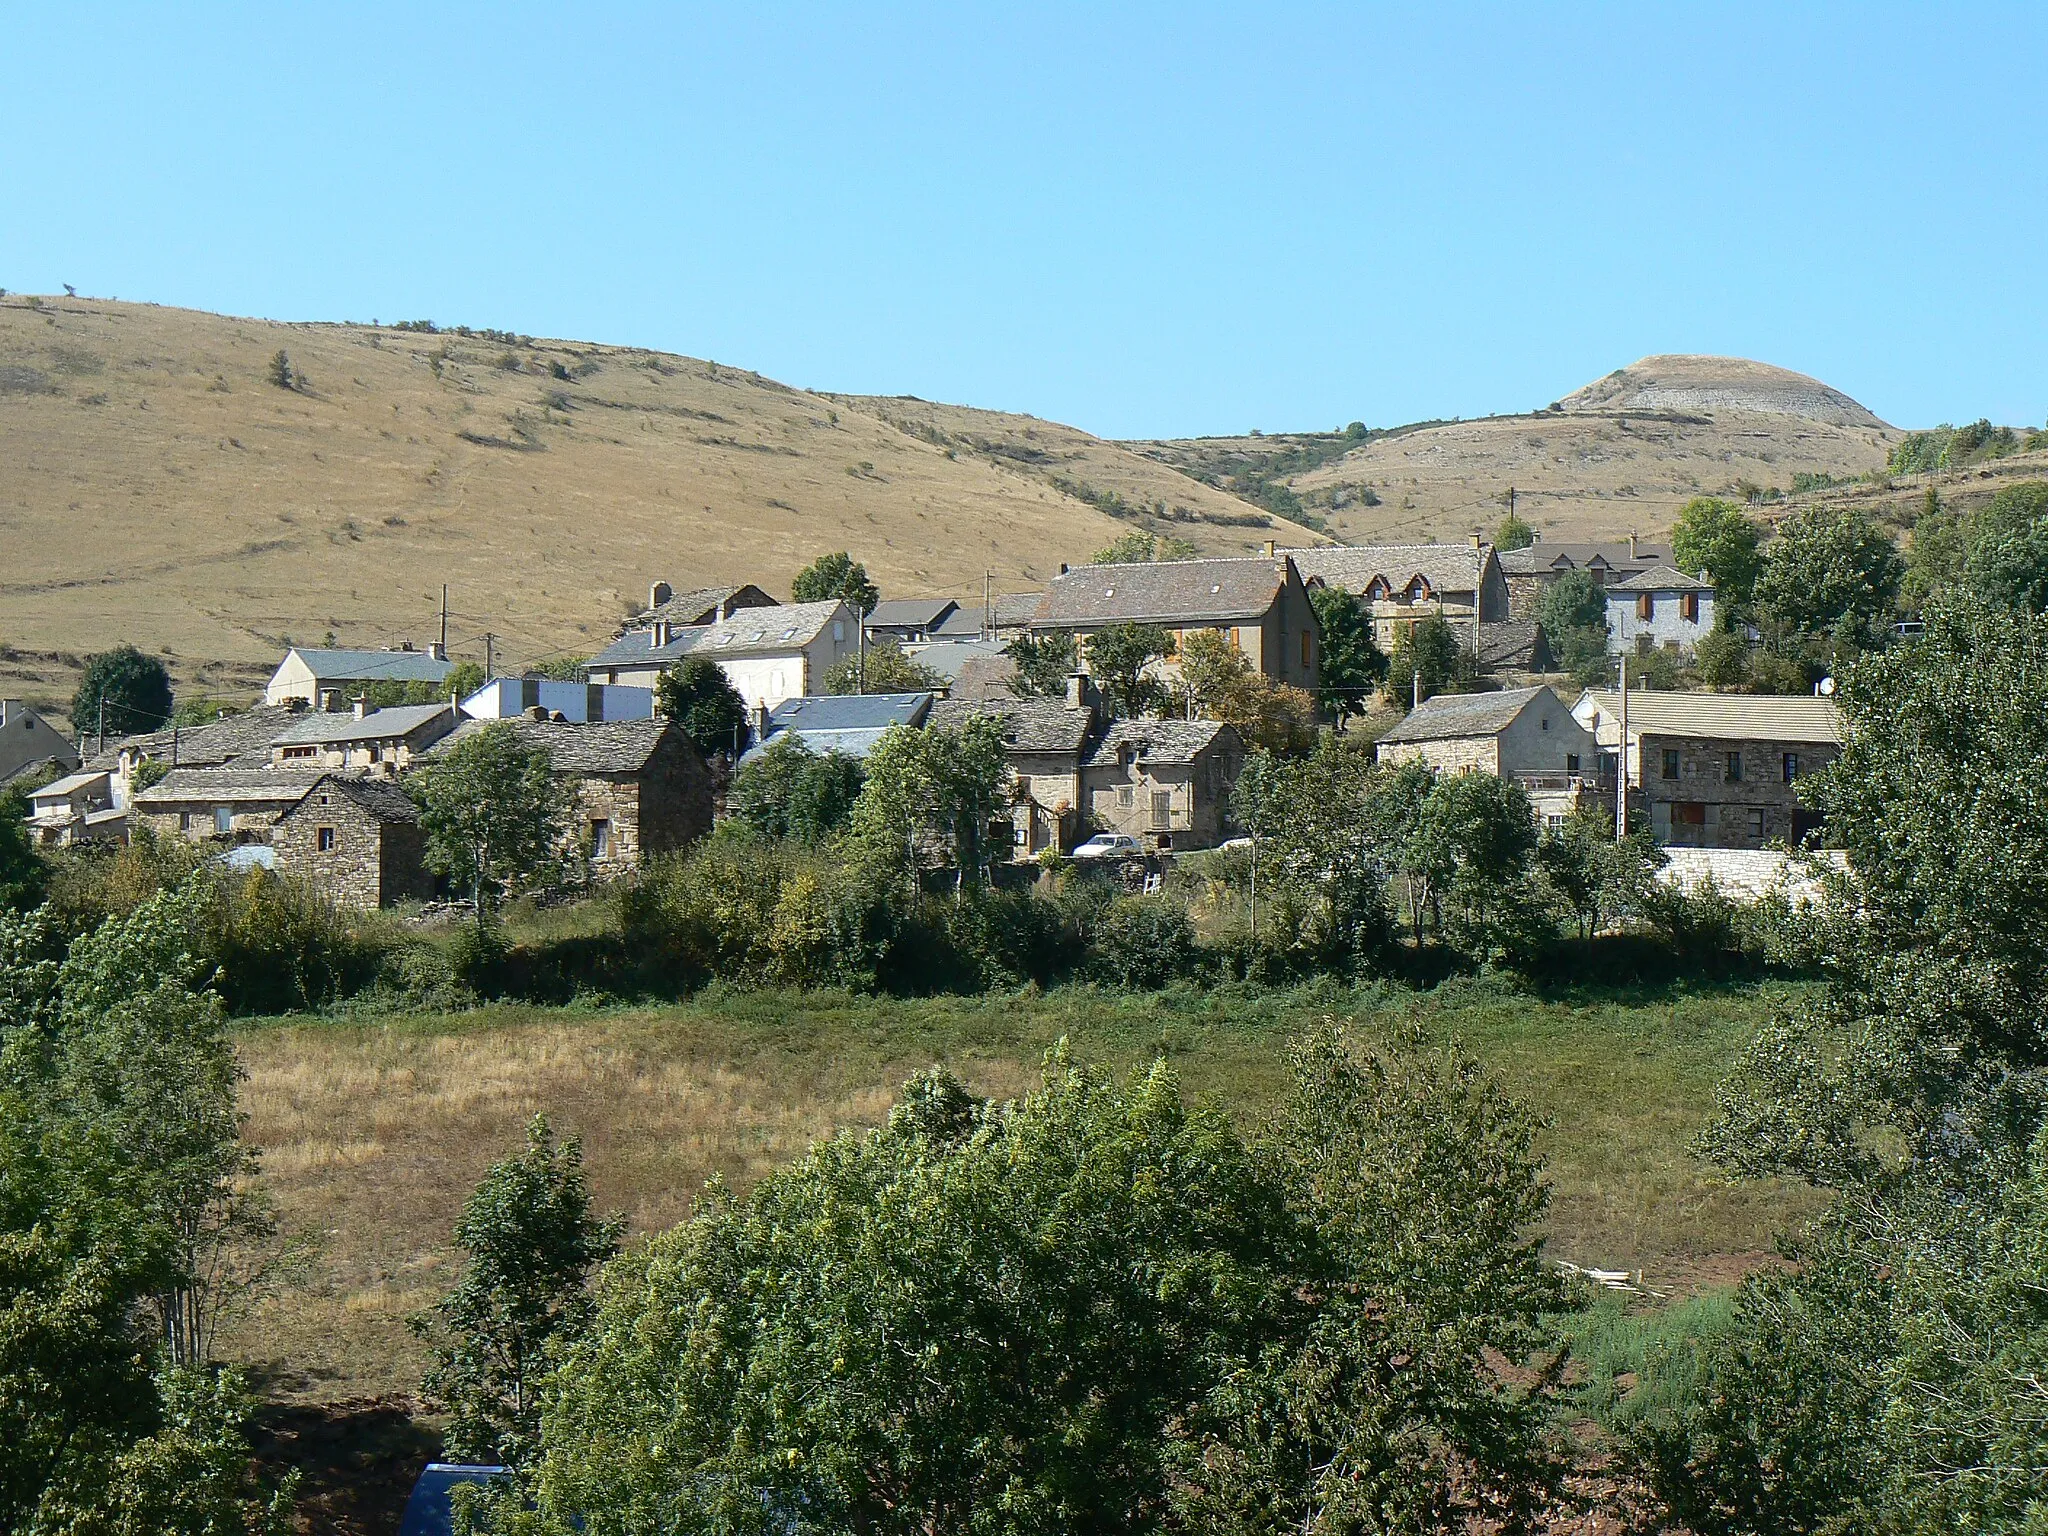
(1108, 845)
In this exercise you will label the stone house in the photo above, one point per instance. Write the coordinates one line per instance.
(364, 738)
(1166, 783)
(308, 672)
(238, 804)
(358, 839)
(1527, 735)
(1259, 605)
(694, 607)
(1662, 608)
(768, 654)
(28, 741)
(1043, 744)
(641, 789)
(1529, 571)
(78, 808)
(1403, 584)
(908, 620)
(242, 738)
(1717, 770)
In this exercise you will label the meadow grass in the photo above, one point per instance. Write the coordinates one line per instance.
(374, 1129)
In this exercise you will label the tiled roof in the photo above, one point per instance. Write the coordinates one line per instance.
(1029, 725)
(1662, 578)
(344, 666)
(330, 728)
(1735, 716)
(1449, 716)
(1162, 592)
(699, 607)
(748, 632)
(379, 797)
(1159, 741)
(225, 786)
(1446, 567)
(200, 746)
(910, 612)
(1544, 556)
(601, 747)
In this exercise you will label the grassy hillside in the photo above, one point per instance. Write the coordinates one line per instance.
(373, 1132)
(1622, 454)
(161, 488)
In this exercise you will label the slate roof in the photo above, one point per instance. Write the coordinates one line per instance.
(910, 612)
(1029, 725)
(329, 728)
(346, 666)
(750, 631)
(598, 749)
(1734, 716)
(947, 657)
(1452, 716)
(848, 723)
(1661, 578)
(1158, 741)
(1008, 610)
(225, 786)
(379, 797)
(984, 677)
(699, 607)
(1162, 592)
(71, 783)
(1514, 644)
(208, 745)
(1446, 567)
(1544, 556)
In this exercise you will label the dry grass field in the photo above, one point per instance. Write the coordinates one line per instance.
(374, 1131)
(1624, 453)
(160, 488)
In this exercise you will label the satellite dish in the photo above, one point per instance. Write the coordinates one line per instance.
(1827, 687)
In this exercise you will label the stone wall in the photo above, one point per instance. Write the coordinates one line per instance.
(1456, 754)
(373, 863)
(1703, 807)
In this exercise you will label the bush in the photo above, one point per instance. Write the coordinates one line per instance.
(281, 945)
(1145, 942)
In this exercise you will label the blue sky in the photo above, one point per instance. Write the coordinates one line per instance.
(1145, 221)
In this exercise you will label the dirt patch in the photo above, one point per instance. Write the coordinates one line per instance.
(357, 1461)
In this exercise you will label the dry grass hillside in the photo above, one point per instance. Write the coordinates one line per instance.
(160, 488)
(1623, 453)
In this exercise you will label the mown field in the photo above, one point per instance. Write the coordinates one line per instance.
(373, 1130)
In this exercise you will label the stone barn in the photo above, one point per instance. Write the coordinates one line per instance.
(357, 839)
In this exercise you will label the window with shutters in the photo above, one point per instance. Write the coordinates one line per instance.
(1689, 605)
(1162, 808)
(1643, 606)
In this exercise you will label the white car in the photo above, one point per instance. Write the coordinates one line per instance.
(1107, 845)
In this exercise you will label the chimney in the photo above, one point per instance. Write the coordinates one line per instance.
(659, 593)
(437, 650)
(1063, 567)
(1475, 541)
(724, 608)
(362, 707)
(1272, 548)
(9, 708)
(534, 712)
(760, 714)
(1632, 544)
(659, 636)
(330, 700)
(1080, 691)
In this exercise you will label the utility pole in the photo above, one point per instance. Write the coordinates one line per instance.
(1418, 688)
(444, 621)
(860, 663)
(988, 605)
(490, 656)
(1621, 761)
(100, 738)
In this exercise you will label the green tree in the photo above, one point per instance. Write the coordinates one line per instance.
(1592, 875)
(24, 877)
(1722, 659)
(122, 692)
(695, 693)
(1512, 533)
(791, 791)
(1716, 536)
(532, 1244)
(930, 796)
(1940, 549)
(886, 670)
(1217, 682)
(1321, 836)
(1891, 1382)
(1118, 658)
(281, 371)
(1352, 666)
(2008, 555)
(839, 576)
(1473, 841)
(1830, 585)
(1573, 612)
(1044, 663)
(1431, 648)
(1097, 1308)
(493, 813)
(1136, 548)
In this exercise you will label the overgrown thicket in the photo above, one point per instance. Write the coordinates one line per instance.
(1093, 1308)
(1893, 1381)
